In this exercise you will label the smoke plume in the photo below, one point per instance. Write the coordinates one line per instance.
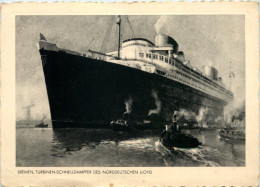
(184, 115)
(157, 103)
(162, 21)
(234, 111)
(203, 113)
(128, 105)
(219, 120)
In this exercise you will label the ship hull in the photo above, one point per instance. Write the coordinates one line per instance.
(85, 92)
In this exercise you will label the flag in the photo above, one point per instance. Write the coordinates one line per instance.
(42, 37)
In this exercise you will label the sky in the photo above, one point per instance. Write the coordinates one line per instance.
(206, 40)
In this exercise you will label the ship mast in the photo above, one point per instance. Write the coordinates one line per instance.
(119, 30)
(231, 75)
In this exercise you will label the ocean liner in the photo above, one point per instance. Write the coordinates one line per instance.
(138, 80)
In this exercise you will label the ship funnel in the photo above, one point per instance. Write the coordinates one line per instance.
(210, 72)
(162, 40)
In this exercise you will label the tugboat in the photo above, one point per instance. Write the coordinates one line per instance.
(232, 134)
(234, 130)
(172, 137)
(120, 125)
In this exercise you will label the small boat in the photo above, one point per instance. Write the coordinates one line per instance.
(41, 125)
(127, 125)
(232, 133)
(120, 125)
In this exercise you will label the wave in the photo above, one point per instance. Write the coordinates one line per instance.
(186, 157)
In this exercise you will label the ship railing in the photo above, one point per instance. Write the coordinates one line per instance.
(145, 61)
(183, 67)
(204, 78)
(179, 64)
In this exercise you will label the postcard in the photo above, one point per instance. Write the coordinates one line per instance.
(130, 94)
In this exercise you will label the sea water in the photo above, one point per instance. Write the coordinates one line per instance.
(45, 147)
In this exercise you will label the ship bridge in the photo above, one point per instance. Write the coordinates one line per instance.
(165, 47)
(131, 48)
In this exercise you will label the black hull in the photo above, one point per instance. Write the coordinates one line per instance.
(179, 140)
(86, 92)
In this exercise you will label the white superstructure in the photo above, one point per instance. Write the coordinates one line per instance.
(164, 59)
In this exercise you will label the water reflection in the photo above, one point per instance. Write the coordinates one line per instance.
(105, 147)
(66, 141)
